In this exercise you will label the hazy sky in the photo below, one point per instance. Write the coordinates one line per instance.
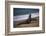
(23, 11)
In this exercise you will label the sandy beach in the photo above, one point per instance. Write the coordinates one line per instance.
(33, 23)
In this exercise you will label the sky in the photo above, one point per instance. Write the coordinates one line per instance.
(23, 11)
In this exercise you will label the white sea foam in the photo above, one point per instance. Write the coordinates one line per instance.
(24, 17)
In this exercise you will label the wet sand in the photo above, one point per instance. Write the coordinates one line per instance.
(33, 23)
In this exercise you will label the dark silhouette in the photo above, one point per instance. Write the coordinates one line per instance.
(29, 19)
